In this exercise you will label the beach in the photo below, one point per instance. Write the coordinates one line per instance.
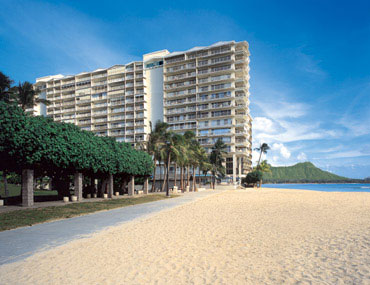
(253, 236)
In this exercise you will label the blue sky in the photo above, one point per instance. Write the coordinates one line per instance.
(310, 61)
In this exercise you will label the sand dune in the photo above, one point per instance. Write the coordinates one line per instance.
(267, 236)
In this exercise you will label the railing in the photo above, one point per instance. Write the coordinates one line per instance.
(118, 110)
(83, 115)
(117, 118)
(100, 120)
(99, 76)
(116, 80)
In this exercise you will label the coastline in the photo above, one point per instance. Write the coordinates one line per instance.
(248, 236)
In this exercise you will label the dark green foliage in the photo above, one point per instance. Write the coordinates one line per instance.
(6, 91)
(302, 173)
(12, 178)
(252, 177)
(60, 149)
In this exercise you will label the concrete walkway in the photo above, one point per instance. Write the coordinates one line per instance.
(23, 242)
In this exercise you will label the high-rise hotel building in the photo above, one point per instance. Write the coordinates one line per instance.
(204, 90)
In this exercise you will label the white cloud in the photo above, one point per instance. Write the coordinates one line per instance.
(284, 152)
(302, 156)
(344, 154)
(264, 124)
(280, 108)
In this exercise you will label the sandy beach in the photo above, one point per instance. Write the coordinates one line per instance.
(266, 236)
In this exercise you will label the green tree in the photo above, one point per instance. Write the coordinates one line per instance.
(27, 96)
(252, 177)
(169, 150)
(6, 90)
(263, 148)
(216, 159)
(264, 167)
(203, 159)
(189, 140)
(59, 150)
(155, 143)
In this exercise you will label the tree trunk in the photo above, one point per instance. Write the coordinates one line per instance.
(155, 169)
(188, 178)
(6, 190)
(61, 183)
(259, 159)
(160, 174)
(213, 180)
(103, 187)
(168, 175)
(165, 177)
(181, 178)
(194, 180)
(92, 185)
(175, 178)
(123, 186)
(199, 180)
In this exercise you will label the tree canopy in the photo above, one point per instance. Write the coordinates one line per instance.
(40, 143)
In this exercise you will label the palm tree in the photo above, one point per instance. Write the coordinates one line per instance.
(27, 96)
(182, 161)
(169, 150)
(178, 159)
(264, 147)
(194, 159)
(204, 164)
(216, 159)
(155, 141)
(189, 138)
(6, 91)
(263, 167)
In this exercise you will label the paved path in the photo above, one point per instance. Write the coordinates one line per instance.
(21, 243)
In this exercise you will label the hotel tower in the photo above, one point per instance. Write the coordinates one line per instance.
(204, 90)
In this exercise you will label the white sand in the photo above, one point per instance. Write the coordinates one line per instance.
(237, 237)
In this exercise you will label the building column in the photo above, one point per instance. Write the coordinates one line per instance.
(131, 186)
(146, 185)
(27, 188)
(234, 168)
(78, 186)
(110, 186)
(240, 167)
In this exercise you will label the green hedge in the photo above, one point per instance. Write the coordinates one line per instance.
(44, 145)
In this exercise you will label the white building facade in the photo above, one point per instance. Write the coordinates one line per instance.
(204, 90)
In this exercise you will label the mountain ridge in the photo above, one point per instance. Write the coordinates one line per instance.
(303, 172)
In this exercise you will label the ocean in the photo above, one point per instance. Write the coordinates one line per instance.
(349, 187)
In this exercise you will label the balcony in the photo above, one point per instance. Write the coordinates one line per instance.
(83, 108)
(99, 113)
(100, 120)
(84, 122)
(117, 118)
(99, 76)
(103, 127)
(100, 105)
(116, 80)
(83, 115)
(118, 110)
(117, 133)
(117, 125)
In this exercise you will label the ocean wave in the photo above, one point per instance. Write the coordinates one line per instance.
(365, 187)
